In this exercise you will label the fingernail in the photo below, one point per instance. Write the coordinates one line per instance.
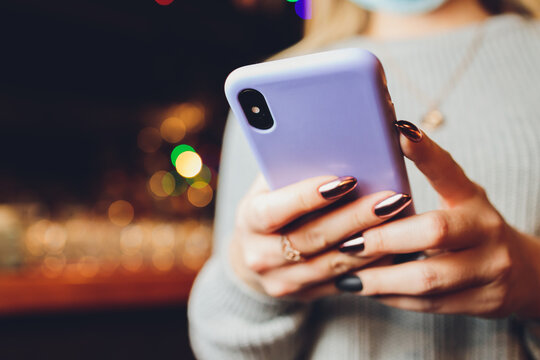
(392, 205)
(353, 245)
(410, 130)
(337, 188)
(349, 283)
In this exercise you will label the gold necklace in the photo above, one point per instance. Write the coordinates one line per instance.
(434, 118)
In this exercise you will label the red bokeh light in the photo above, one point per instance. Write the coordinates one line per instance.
(164, 2)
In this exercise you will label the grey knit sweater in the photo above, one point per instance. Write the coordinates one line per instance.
(492, 130)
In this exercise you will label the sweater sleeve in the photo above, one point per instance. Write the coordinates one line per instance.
(227, 319)
(532, 338)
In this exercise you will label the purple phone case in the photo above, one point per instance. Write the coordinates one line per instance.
(333, 116)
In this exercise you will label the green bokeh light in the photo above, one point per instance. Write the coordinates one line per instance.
(178, 150)
(204, 176)
(174, 184)
(168, 183)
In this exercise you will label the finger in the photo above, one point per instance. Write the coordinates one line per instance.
(444, 174)
(259, 186)
(263, 252)
(315, 292)
(266, 211)
(477, 301)
(443, 273)
(290, 279)
(335, 226)
(328, 288)
(440, 229)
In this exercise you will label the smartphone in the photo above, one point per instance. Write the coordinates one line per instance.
(328, 113)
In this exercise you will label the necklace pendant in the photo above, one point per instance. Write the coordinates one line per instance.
(432, 120)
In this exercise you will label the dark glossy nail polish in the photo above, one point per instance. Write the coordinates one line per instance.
(409, 130)
(353, 245)
(349, 283)
(337, 188)
(391, 206)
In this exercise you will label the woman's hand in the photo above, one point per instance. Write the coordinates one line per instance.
(263, 217)
(481, 266)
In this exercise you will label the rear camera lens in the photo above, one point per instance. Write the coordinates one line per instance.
(256, 109)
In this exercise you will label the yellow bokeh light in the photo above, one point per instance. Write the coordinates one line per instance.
(173, 129)
(53, 266)
(163, 237)
(199, 184)
(55, 238)
(200, 196)
(132, 263)
(202, 179)
(88, 266)
(156, 184)
(163, 260)
(35, 237)
(189, 164)
(192, 116)
(131, 239)
(121, 213)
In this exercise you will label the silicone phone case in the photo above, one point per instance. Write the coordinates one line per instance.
(333, 116)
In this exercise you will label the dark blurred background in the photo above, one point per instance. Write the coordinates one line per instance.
(101, 234)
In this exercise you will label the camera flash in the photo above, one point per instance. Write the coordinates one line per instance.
(255, 109)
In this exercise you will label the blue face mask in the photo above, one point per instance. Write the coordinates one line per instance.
(400, 6)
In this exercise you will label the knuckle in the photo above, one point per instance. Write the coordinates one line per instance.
(255, 261)
(429, 279)
(339, 265)
(449, 160)
(501, 294)
(376, 241)
(494, 224)
(359, 218)
(503, 263)
(446, 153)
(305, 201)
(480, 191)
(315, 240)
(495, 303)
(261, 215)
(439, 228)
(503, 297)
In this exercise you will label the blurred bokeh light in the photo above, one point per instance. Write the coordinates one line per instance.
(179, 150)
(173, 129)
(200, 194)
(121, 212)
(188, 164)
(192, 115)
(202, 179)
(106, 220)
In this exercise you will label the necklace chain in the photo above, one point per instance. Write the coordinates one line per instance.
(434, 118)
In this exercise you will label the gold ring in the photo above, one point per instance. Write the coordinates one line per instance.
(290, 253)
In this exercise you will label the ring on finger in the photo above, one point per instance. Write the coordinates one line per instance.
(289, 252)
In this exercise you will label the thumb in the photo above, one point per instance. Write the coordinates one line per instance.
(444, 174)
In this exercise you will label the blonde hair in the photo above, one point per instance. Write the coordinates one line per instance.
(334, 20)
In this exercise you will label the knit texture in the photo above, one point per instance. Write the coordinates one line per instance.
(492, 129)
